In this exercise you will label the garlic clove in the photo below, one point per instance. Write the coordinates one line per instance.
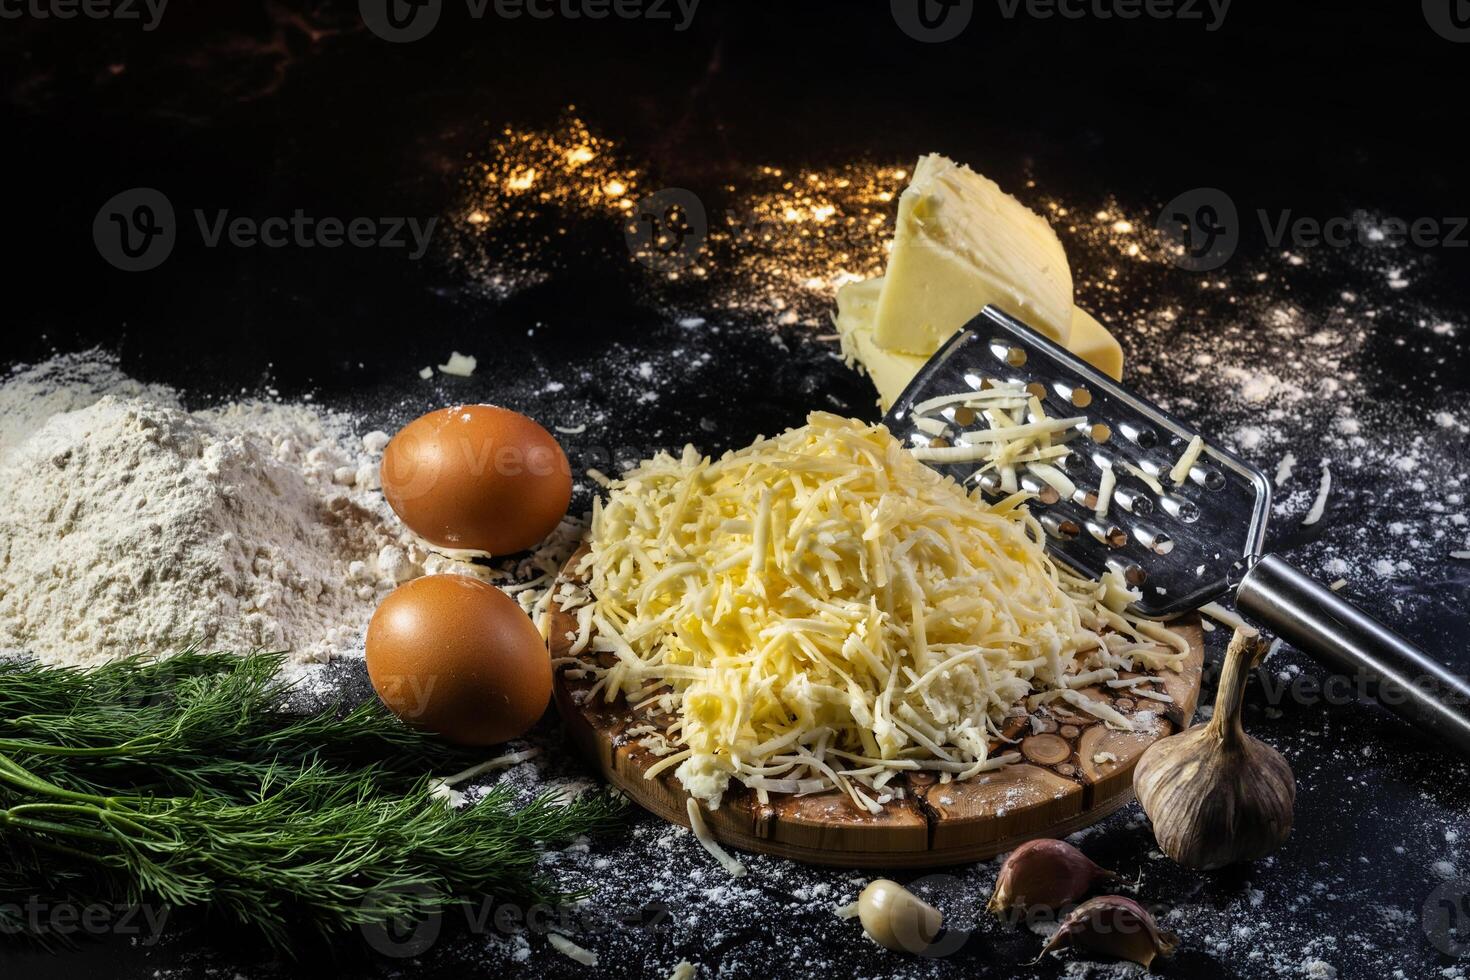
(896, 918)
(1115, 926)
(1044, 874)
(1216, 795)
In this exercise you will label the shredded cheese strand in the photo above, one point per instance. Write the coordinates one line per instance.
(708, 842)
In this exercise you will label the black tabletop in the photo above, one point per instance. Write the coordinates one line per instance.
(482, 163)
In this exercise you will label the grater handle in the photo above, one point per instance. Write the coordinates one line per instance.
(1393, 671)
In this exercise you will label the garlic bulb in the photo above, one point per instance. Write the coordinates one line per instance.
(897, 918)
(1044, 874)
(1115, 926)
(1215, 795)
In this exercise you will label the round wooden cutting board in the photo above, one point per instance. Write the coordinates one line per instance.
(1076, 771)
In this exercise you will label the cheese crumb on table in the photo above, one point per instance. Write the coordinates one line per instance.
(571, 950)
(459, 365)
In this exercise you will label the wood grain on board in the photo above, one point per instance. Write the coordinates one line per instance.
(1075, 771)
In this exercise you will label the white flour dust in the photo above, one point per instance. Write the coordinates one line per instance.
(129, 525)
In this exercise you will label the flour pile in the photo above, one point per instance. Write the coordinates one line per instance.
(130, 525)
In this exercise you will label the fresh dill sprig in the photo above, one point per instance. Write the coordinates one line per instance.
(193, 721)
(188, 784)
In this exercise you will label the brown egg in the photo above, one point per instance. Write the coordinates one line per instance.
(477, 477)
(455, 656)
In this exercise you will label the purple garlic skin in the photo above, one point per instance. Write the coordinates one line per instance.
(1114, 926)
(1044, 875)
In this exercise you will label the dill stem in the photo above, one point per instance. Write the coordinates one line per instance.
(17, 775)
(75, 751)
(49, 827)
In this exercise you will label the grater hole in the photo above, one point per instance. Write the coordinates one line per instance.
(1008, 352)
(1044, 493)
(1100, 433)
(1081, 397)
(990, 483)
(1154, 540)
(1213, 479)
(1036, 390)
(939, 442)
(1060, 527)
(1130, 572)
(1109, 534)
(964, 415)
(1140, 435)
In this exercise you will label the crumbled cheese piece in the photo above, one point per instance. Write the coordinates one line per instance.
(426, 373)
(1283, 470)
(1181, 469)
(1098, 758)
(1462, 555)
(571, 950)
(443, 788)
(683, 971)
(708, 842)
(848, 911)
(1229, 617)
(1342, 582)
(572, 430)
(1105, 488)
(460, 365)
(1320, 504)
(820, 610)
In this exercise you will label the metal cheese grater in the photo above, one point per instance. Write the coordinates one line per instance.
(1182, 545)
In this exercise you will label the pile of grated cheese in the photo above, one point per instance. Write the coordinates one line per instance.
(822, 610)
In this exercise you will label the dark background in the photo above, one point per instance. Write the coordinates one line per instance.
(262, 108)
(257, 107)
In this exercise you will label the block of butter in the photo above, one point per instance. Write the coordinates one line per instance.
(961, 243)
